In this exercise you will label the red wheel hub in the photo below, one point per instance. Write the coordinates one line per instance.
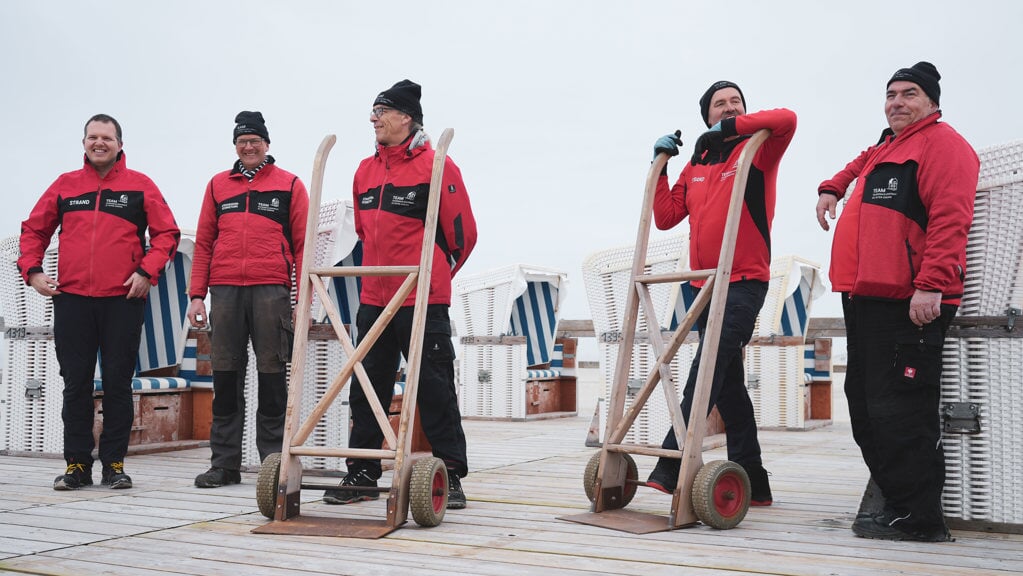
(728, 495)
(437, 489)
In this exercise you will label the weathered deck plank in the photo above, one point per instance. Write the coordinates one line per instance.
(524, 476)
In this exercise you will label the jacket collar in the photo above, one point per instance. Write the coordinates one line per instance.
(914, 127)
(119, 165)
(413, 146)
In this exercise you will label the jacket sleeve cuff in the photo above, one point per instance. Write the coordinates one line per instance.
(142, 273)
(832, 192)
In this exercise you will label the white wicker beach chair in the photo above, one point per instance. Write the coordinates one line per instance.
(606, 275)
(507, 319)
(983, 468)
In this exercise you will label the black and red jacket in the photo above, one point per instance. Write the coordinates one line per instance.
(904, 226)
(250, 233)
(390, 190)
(703, 192)
(103, 224)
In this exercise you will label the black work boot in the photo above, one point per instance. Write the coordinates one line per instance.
(74, 477)
(871, 503)
(889, 525)
(114, 476)
(216, 477)
(456, 496)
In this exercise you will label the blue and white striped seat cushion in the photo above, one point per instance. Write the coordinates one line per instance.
(794, 317)
(558, 357)
(542, 374)
(534, 315)
(144, 383)
(188, 365)
(344, 290)
(810, 372)
(684, 301)
(163, 331)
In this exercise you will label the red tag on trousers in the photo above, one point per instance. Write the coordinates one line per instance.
(910, 372)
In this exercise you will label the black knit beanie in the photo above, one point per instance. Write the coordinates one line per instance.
(403, 97)
(705, 99)
(250, 123)
(925, 75)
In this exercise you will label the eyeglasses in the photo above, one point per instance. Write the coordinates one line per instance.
(379, 111)
(248, 142)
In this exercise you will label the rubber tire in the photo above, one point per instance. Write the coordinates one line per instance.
(266, 484)
(721, 494)
(590, 478)
(428, 491)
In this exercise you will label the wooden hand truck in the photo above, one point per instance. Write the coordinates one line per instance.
(421, 484)
(717, 493)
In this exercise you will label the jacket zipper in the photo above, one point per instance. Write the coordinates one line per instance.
(92, 242)
(909, 259)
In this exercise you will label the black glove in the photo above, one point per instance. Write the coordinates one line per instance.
(709, 140)
(668, 144)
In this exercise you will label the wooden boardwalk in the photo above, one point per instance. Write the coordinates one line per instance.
(524, 476)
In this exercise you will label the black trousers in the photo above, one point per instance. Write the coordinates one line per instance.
(437, 401)
(728, 388)
(83, 326)
(893, 385)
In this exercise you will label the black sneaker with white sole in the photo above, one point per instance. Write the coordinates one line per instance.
(345, 494)
(456, 496)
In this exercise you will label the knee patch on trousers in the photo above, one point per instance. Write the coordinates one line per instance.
(273, 393)
(225, 393)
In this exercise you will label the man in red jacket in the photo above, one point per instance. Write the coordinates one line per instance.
(391, 190)
(249, 242)
(104, 272)
(702, 194)
(898, 259)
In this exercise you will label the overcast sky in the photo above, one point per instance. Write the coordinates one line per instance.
(555, 105)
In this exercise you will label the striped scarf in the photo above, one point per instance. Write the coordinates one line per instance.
(251, 174)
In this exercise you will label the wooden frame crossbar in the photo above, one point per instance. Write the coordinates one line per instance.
(397, 447)
(611, 482)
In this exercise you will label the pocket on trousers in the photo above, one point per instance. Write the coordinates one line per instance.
(437, 348)
(287, 339)
(918, 358)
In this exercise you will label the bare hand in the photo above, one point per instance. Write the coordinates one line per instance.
(43, 284)
(924, 307)
(826, 204)
(137, 285)
(197, 313)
